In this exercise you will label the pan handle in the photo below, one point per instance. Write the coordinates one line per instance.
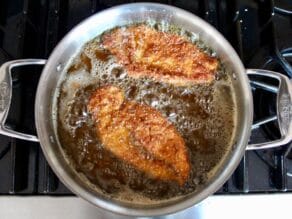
(283, 107)
(6, 95)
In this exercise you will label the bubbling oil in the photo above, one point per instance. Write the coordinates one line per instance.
(204, 115)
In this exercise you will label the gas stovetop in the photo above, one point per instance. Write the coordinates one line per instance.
(260, 31)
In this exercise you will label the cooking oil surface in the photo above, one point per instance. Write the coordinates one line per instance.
(203, 114)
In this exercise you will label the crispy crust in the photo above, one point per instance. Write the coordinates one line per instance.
(166, 57)
(140, 135)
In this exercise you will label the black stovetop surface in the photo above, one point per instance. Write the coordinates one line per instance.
(259, 30)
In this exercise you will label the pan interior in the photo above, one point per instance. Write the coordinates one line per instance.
(203, 114)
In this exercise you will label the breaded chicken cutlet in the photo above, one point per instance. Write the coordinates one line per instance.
(166, 57)
(139, 135)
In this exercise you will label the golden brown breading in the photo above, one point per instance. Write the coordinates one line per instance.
(165, 57)
(139, 135)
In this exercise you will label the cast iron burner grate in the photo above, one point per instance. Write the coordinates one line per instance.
(259, 30)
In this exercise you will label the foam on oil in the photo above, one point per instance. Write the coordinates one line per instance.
(203, 114)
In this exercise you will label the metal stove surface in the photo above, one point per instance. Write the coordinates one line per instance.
(259, 30)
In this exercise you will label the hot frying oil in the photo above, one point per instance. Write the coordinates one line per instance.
(203, 114)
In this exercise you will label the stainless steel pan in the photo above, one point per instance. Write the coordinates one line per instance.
(122, 15)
